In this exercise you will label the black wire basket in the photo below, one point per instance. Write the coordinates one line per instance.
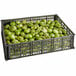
(12, 51)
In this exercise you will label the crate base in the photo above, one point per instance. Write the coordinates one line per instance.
(41, 54)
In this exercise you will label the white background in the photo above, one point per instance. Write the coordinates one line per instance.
(53, 64)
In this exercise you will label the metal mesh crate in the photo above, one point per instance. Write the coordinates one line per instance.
(39, 46)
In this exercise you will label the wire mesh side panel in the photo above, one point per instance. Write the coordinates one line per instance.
(72, 41)
(4, 45)
(47, 45)
(67, 42)
(57, 44)
(20, 50)
(36, 47)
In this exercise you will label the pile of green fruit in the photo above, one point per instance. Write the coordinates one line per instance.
(23, 31)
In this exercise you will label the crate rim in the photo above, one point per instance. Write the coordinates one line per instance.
(29, 17)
